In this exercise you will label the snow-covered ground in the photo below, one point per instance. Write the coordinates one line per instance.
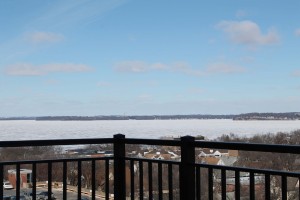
(29, 130)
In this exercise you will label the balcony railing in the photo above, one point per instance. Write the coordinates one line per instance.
(141, 178)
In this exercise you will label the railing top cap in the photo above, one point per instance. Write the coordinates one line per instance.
(279, 148)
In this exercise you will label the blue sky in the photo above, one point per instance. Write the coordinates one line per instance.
(136, 57)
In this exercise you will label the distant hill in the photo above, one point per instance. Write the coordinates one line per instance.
(268, 116)
(246, 116)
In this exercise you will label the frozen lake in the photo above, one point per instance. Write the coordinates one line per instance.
(29, 130)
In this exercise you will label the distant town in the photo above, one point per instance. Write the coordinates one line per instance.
(245, 116)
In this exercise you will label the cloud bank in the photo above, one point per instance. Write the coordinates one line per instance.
(140, 67)
(178, 67)
(27, 69)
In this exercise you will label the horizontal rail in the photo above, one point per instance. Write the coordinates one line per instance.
(275, 148)
(153, 142)
(30, 143)
(23, 162)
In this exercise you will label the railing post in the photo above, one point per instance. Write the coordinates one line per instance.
(119, 167)
(187, 168)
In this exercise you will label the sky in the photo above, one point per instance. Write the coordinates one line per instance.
(141, 57)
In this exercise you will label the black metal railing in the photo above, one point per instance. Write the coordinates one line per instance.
(141, 178)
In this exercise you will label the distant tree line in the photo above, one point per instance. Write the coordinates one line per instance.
(17, 118)
(246, 116)
(135, 117)
(268, 116)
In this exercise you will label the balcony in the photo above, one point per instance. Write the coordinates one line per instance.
(126, 177)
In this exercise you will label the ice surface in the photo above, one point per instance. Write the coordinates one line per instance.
(33, 130)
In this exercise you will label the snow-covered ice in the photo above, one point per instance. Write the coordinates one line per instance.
(33, 130)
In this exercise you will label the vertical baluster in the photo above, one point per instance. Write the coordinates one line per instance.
(93, 179)
(1, 179)
(65, 166)
(210, 184)
(150, 180)
(298, 188)
(170, 181)
(237, 185)
(223, 183)
(198, 183)
(18, 182)
(252, 186)
(141, 180)
(267, 186)
(107, 179)
(33, 181)
(284, 187)
(160, 194)
(49, 179)
(79, 180)
(132, 179)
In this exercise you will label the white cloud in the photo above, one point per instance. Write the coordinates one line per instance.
(296, 73)
(185, 68)
(158, 66)
(27, 69)
(139, 67)
(178, 67)
(131, 66)
(297, 32)
(224, 68)
(44, 37)
(247, 33)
